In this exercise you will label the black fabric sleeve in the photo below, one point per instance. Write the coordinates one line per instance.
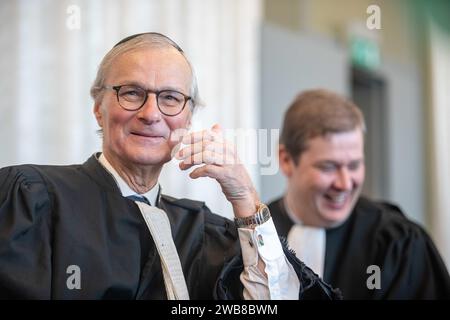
(417, 270)
(220, 245)
(229, 287)
(25, 251)
(312, 287)
(218, 264)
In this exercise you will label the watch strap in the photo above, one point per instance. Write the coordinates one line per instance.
(261, 216)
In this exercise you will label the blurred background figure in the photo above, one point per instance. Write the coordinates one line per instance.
(368, 249)
(397, 75)
(391, 57)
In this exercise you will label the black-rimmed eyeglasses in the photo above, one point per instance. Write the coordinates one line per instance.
(132, 98)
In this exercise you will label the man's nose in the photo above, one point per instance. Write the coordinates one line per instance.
(343, 180)
(150, 111)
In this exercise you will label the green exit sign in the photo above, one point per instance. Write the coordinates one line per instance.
(365, 53)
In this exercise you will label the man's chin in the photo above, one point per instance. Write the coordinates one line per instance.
(334, 218)
(150, 159)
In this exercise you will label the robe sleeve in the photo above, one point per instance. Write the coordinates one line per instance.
(25, 237)
(417, 271)
(221, 244)
(225, 253)
(228, 286)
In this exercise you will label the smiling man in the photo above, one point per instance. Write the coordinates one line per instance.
(103, 230)
(368, 249)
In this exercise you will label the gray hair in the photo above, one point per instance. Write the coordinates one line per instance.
(142, 40)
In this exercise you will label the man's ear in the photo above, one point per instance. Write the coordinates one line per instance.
(285, 160)
(98, 114)
(189, 121)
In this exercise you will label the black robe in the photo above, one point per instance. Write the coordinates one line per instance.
(55, 217)
(378, 234)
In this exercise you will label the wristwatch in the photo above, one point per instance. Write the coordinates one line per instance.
(262, 215)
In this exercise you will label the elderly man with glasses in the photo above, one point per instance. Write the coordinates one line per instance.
(103, 230)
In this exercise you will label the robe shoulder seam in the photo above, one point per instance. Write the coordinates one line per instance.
(195, 206)
(184, 203)
(42, 179)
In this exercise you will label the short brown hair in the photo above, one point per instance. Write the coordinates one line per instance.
(315, 113)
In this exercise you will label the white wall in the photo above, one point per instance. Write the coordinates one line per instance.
(439, 138)
(406, 162)
(291, 63)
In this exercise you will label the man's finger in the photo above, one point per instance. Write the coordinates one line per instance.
(217, 128)
(204, 145)
(210, 171)
(205, 157)
(205, 135)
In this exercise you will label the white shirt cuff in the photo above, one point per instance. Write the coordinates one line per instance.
(263, 242)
